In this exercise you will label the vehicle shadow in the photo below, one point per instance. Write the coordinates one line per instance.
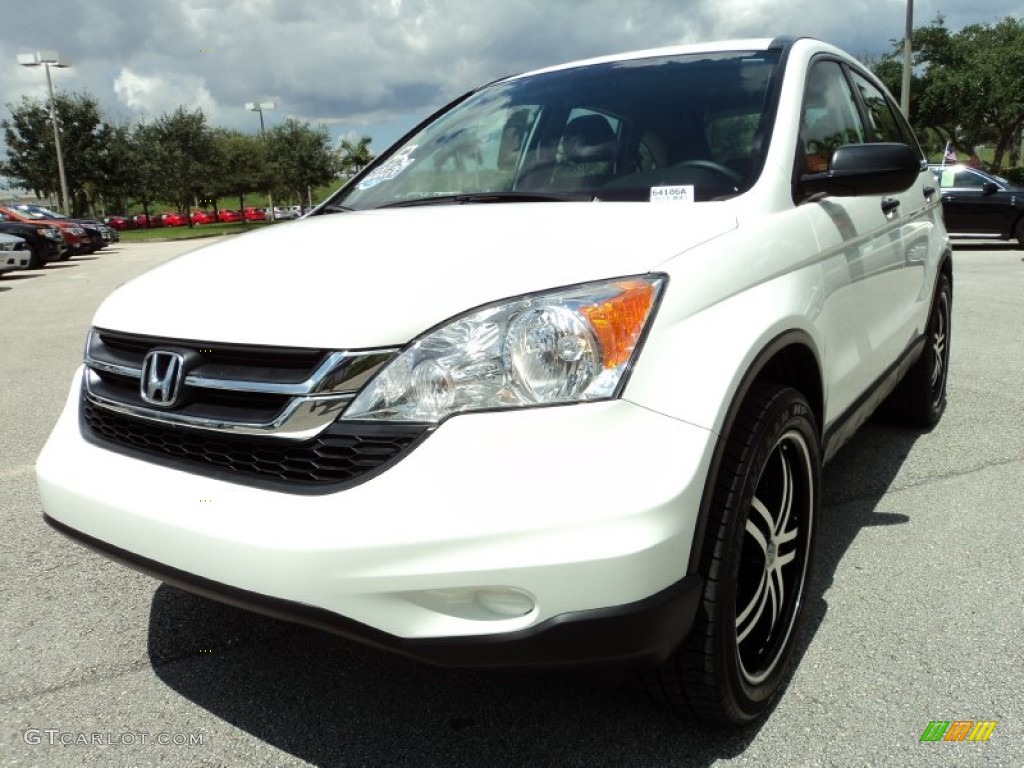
(330, 701)
(984, 245)
(854, 483)
(14, 277)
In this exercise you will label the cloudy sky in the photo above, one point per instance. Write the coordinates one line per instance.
(375, 66)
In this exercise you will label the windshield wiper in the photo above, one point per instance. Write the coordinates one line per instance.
(334, 208)
(488, 197)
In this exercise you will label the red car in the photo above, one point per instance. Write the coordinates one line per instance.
(142, 221)
(227, 216)
(119, 222)
(75, 238)
(255, 214)
(203, 217)
(172, 219)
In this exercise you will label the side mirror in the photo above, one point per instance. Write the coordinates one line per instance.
(865, 169)
(989, 188)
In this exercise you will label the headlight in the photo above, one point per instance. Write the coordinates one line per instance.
(564, 346)
(50, 232)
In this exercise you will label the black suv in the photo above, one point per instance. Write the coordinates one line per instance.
(45, 242)
(978, 204)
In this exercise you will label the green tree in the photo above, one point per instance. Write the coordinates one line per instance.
(116, 171)
(300, 157)
(240, 164)
(31, 154)
(354, 155)
(185, 152)
(966, 85)
(143, 178)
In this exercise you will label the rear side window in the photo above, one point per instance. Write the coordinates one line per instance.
(962, 179)
(886, 121)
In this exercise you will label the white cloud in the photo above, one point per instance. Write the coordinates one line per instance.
(153, 95)
(375, 66)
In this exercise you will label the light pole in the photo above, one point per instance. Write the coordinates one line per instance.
(259, 106)
(49, 59)
(905, 93)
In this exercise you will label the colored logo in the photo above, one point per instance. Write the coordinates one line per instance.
(958, 730)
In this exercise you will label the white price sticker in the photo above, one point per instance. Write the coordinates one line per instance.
(678, 194)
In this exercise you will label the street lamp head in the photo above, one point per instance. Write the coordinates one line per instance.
(51, 58)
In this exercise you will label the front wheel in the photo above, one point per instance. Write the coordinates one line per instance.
(920, 398)
(37, 259)
(756, 563)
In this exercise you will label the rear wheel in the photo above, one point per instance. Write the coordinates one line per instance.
(756, 562)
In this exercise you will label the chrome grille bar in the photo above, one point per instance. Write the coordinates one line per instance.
(287, 409)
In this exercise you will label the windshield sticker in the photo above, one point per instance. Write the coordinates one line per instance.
(390, 169)
(678, 194)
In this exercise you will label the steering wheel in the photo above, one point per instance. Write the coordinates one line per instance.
(711, 165)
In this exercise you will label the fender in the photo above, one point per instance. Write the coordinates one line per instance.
(760, 365)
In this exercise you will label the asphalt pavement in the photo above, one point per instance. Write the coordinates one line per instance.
(916, 614)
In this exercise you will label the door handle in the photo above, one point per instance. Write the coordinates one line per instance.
(890, 204)
(929, 191)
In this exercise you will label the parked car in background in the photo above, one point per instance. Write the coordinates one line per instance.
(583, 414)
(75, 237)
(174, 219)
(979, 205)
(45, 242)
(285, 214)
(100, 235)
(203, 217)
(226, 215)
(255, 214)
(119, 222)
(143, 221)
(15, 253)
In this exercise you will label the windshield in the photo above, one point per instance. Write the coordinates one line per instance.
(28, 213)
(673, 127)
(36, 212)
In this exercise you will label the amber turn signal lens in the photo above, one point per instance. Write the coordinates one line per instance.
(619, 321)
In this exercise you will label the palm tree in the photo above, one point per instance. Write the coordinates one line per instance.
(354, 155)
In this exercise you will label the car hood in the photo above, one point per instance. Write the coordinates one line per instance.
(376, 278)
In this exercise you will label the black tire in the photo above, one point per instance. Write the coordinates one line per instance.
(920, 398)
(1018, 232)
(756, 562)
(38, 259)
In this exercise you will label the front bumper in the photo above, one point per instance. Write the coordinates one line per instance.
(583, 516)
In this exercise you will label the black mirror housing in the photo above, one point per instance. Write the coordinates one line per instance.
(866, 169)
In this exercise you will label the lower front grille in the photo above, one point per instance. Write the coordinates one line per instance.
(341, 455)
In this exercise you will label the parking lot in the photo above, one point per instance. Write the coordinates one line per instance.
(916, 613)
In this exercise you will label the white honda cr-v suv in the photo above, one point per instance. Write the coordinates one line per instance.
(551, 382)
